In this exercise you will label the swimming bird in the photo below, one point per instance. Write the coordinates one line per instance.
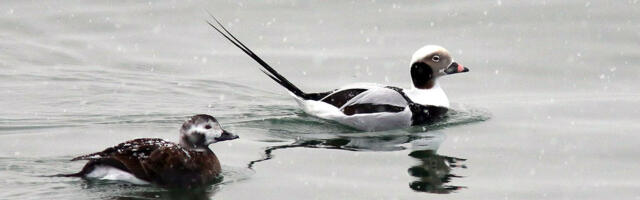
(370, 106)
(189, 163)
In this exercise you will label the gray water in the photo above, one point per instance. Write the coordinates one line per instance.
(548, 111)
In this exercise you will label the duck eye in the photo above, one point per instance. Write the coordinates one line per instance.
(435, 58)
(207, 126)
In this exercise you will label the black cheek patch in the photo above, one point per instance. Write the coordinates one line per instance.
(197, 139)
(421, 74)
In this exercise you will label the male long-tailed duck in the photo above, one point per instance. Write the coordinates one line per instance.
(374, 107)
(152, 160)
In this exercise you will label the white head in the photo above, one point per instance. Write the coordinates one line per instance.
(430, 62)
(201, 130)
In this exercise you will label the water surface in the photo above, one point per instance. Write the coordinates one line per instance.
(548, 111)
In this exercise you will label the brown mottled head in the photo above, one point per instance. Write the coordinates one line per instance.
(201, 130)
(431, 62)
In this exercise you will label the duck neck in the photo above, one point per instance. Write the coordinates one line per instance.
(434, 96)
(199, 146)
(426, 85)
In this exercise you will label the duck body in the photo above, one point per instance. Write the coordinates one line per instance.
(152, 160)
(376, 107)
(187, 164)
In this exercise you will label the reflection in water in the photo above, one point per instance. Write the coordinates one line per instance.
(433, 171)
(383, 143)
(186, 194)
(121, 191)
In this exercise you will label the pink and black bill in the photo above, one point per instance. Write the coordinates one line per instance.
(455, 68)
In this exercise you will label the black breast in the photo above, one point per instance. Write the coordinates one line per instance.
(421, 114)
(425, 114)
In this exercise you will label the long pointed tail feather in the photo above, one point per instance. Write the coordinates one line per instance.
(272, 73)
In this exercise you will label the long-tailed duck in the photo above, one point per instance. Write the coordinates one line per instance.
(152, 160)
(374, 107)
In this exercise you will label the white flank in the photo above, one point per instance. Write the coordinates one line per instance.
(375, 94)
(114, 174)
(367, 122)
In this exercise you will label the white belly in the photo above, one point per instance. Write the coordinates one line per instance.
(114, 174)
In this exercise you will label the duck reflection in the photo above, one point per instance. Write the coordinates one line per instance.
(433, 171)
(186, 194)
(120, 191)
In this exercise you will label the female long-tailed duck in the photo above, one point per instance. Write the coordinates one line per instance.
(152, 160)
(374, 107)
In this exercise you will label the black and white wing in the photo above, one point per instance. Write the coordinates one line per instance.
(139, 148)
(127, 156)
(366, 100)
